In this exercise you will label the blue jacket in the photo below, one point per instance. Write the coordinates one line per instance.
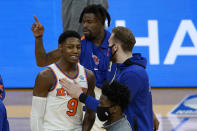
(132, 73)
(96, 59)
(4, 125)
(2, 96)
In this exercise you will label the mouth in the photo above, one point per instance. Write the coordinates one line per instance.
(74, 57)
(85, 31)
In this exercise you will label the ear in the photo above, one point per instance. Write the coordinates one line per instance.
(116, 46)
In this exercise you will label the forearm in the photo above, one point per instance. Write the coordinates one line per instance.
(88, 121)
(89, 101)
(37, 113)
(40, 52)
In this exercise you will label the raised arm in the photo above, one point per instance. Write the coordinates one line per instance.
(89, 117)
(42, 58)
(43, 82)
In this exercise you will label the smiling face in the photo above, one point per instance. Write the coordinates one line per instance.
(92, 26)
(71, 49)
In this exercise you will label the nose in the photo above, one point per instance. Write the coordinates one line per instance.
(75, 50)
(85, 25)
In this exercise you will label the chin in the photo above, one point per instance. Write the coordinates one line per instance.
(74, 61)
(88, 37)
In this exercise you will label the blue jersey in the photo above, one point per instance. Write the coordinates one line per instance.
(4, 125)
(96, 59)
(2, 95)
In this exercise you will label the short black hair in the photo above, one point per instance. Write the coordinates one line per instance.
(117, 94)
(68, 34)
(98, 10)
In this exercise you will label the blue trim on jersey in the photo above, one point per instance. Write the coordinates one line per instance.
(68, 75)
(52, 88)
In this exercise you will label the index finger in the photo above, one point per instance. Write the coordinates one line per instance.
(36, 19)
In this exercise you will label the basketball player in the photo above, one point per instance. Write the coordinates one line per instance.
(52, 107)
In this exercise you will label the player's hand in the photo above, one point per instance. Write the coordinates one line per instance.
(37, 28)
(73, 89)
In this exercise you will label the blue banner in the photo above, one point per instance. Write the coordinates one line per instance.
(166, 33)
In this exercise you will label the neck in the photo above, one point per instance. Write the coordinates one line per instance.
(115, 118)
(122, 57)
(66, 66)
(99, 38)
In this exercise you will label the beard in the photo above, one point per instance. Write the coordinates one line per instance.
(113, 59)
(89, 37)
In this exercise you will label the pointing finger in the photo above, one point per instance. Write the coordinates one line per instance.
(36, 19)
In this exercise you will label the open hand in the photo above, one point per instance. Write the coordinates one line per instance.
(73, 89)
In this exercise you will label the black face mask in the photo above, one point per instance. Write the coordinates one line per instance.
(112, 55)
(103, 113)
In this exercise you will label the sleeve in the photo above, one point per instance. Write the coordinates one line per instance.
(37, 113)
(133, 82)
(92, 103)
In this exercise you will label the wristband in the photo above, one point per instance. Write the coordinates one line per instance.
(83, 97)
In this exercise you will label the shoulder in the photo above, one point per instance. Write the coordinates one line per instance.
(44, 81)
(123, 125)
(134, 71)
(45, 74)
(130, 78)
(89, 74)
